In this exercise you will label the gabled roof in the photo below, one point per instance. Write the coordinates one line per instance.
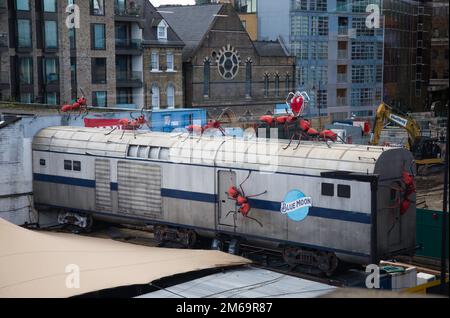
(191, 23)
(152, 19)
(270, 48)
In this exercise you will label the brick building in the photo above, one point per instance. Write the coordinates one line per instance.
(223, 68)
(44, 60)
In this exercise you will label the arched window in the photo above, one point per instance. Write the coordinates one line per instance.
(266, 85)
(248, 78)
(171, 96)
(155, 96)
(277, 85)
(286, 85)
(206, 73)
(162, 30)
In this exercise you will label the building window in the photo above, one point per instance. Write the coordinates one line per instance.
(51, 98)
(162, 30)
(72, 39)
(124, 96)
(300, 50)
(26, 70)
(97, 7)
(51, 34)
(99, 70)
(49, 5)
(155, 61)
(67, 165)
(300, 5)
(155, 97)
(42, 162)
(206, 74)
(73, 77)
(328, 189)
(246, 6)
(266, 85)
(277, 85)
(300, 25)
(286, 85)
(171, 96)
(319, 26)
(169, 59)
(319, 50)
(99, 99)
(76, 166)
(50, 70)
(23, 5)
(98, 36)
(343, 191)
(24, 33)
(363, 74)
(248, 79)
(26, 98)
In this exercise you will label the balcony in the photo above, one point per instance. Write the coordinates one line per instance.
(342, 54)
(3, 41)
(341, 101)
(129, 78)
(130, 11)
(341, 78)
(128, 46)
(3, 5)
(4, 80)
(343, 30)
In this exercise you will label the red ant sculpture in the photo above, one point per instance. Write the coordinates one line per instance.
(242, 201)
(127, 124)
(80, 105)
(302, 127)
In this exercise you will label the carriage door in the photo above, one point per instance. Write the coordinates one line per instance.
(102, 185)
(226, 179)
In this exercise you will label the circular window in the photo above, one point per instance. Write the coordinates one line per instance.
(228, 61)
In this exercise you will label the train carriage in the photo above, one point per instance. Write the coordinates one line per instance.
(320, 202)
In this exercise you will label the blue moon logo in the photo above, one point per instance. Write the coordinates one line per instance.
(296, 205)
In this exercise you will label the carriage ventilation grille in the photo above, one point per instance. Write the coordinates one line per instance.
(102, 185)
(139, 189)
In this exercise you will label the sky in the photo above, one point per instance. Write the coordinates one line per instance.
(157, 3)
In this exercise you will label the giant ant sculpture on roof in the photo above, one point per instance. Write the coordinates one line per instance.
(133, 125)
(297, 103)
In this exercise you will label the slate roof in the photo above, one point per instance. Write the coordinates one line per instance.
(270, 48)
(152, 19)
(190, 23)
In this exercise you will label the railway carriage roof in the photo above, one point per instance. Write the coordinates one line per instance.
(310, 157)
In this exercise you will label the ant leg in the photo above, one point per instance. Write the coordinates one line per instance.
(257, 195)
(123, 133)
(290, 141)
(114, 129)
(245, 180)
(260, 224)
(299, 140)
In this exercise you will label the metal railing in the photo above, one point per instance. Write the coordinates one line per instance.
(4, 77)
(129, 76)
(128, 10)
(341, 101)
(342, 77)
(342, 54)
(128, 43)
(342, 30)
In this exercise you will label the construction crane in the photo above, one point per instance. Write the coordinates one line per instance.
(426, 150)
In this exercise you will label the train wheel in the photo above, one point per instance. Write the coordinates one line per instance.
(327, 262)
(188, 238)
(217, 244)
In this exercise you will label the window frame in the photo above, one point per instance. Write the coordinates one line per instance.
(325, 187)
(341, 194)
(66, 165)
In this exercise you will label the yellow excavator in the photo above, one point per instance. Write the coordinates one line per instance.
(426, 150)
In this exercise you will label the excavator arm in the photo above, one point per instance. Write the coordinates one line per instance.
(384, 114)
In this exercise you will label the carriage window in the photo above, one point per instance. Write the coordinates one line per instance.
(164, 154)
(67, 165)
(42, 162)
(328, 189)
(154, 153)
(132, 151)
(76, 166)
(343, 191)
(142, 152)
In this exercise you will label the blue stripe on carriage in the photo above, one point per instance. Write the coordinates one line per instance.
(333, 214)
(64, 180)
